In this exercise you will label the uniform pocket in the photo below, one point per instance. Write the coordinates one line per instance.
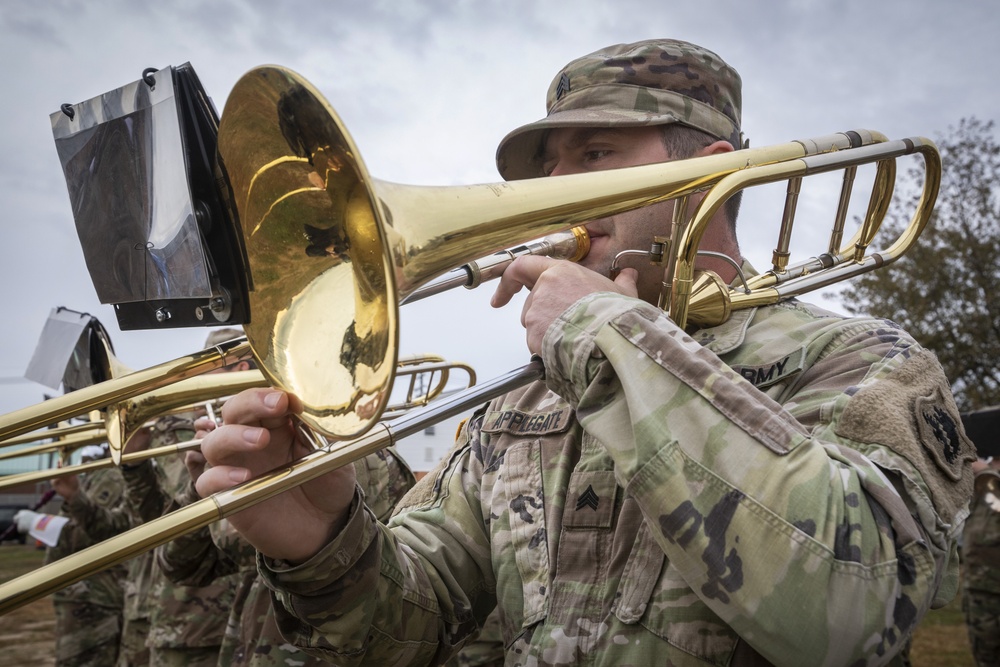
(653, 594)
(528, 540)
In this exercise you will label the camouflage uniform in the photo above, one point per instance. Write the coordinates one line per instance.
(486, 649)
(134, 652)
(981, 551)
(785, 487)
(139, 602)
(252, 637)
(186, 624)
(89, 612)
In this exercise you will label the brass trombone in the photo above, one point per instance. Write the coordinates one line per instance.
(65, 443)
(131, 415)
(301, 178)
(385, 240)
(61, 431)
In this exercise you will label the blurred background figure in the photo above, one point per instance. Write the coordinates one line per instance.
(981, 551)
(88, 613)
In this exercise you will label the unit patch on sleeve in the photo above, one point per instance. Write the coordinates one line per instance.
(941, 434)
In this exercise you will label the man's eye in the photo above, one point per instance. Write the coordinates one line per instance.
(596, 154)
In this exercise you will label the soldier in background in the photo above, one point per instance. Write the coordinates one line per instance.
(981, 551)
(89, 612)
(180, 626)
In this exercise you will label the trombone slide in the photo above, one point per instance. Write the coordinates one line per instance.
(144, 537)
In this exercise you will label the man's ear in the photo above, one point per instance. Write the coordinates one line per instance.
(716, 148)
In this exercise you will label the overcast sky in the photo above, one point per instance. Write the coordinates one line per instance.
(427, 89)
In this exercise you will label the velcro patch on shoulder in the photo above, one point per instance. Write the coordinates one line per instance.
(516, 422)
(912, 412)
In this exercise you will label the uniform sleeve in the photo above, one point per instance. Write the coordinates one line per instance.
(144, 496)
(385, 479)
(370, 597)
(97, 508)
(194, 559)
(831, 540)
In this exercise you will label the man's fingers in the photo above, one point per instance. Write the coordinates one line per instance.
(194, 458)
(220, 478)
(203, 426)
(522, 272)
(264, 406)
(234, 444)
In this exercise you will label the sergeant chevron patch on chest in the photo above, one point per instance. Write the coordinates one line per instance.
(588, 498)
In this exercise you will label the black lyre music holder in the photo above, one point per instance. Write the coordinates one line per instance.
(151, 203)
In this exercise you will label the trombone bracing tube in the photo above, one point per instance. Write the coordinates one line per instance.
(66, 571)
(8, 481)
(95, 436)
(47, 434)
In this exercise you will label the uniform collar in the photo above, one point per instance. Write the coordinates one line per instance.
(729, 335)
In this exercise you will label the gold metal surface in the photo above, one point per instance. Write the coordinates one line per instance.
(61, 431)
(119, 389)
(702, 302)
(66, 443)
(332, 251)
(10, 481)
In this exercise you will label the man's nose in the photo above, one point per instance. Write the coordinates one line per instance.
(564, 167)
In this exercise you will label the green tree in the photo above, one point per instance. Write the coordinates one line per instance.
(946, 290)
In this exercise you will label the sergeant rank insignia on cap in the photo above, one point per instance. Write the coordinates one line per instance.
(563, 86)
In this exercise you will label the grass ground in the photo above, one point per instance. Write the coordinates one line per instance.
(27, 634)
(942, 640)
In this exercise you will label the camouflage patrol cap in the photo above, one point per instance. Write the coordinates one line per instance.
(654, 82)
(222, 335)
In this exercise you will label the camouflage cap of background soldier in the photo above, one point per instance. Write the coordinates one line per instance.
(654, 82)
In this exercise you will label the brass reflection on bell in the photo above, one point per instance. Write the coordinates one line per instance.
(321, 283)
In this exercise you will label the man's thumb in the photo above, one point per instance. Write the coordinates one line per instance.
(626, 281)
